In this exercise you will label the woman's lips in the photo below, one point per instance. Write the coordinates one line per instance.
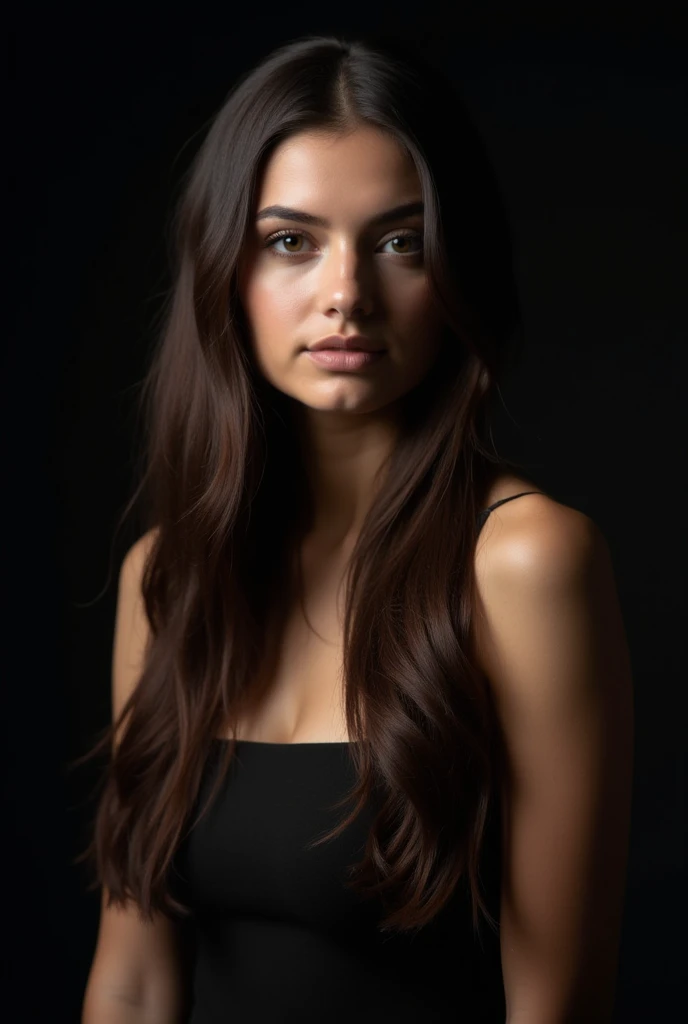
(343, 359)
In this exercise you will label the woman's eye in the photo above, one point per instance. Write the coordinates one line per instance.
(406, 242)
(293, 242)
(289, 238)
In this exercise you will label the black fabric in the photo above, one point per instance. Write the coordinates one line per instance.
(482, 516)
(278, 937)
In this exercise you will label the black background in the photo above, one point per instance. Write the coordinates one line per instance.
(583, 109)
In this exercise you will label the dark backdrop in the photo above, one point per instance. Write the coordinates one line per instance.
(582, 110)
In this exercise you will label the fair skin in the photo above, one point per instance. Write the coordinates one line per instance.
(351, 276)
(548, 627)
(552, 644)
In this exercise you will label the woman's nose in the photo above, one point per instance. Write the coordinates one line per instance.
(346, 282)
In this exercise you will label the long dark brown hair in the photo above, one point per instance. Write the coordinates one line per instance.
(222, 453)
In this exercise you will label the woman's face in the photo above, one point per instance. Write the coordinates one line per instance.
(349, 272)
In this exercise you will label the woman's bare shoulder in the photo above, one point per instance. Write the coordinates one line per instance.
(138, 553)
(533, 521)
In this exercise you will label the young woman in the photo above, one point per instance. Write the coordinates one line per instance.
(371, 749)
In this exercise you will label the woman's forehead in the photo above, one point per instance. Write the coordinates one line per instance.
(365, 169)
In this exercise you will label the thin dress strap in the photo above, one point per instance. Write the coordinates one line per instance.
(485, 513)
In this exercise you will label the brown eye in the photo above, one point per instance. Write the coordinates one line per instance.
(402, 241)
(404, 244)
(291, 240)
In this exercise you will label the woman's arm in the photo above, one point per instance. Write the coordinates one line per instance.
(139, 973)
(553, 646)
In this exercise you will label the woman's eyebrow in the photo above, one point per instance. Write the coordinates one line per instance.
(287, 213)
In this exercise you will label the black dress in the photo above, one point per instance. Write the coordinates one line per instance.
(278, 937)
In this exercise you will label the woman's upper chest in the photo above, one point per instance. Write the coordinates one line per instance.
(302, 692)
